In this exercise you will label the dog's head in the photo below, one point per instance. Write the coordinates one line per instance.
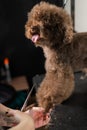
(49, 25)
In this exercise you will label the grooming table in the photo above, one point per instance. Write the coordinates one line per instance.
(72, 114)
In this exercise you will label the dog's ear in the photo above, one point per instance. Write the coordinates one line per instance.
(68, 34)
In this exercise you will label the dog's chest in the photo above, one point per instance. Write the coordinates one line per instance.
(51, 59)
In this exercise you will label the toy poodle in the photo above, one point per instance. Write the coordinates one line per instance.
(51, 28)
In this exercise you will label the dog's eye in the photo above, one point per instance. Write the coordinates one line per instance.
(33, 27)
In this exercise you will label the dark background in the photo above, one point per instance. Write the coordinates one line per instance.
(24, 57)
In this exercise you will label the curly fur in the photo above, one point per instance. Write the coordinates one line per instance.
(50, 27)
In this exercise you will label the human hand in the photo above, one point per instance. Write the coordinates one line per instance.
(33, 118)
(15, 119)
(40, 118)
(24, 120)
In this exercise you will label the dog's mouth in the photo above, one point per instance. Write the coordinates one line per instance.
(35, 33)
(35, 38)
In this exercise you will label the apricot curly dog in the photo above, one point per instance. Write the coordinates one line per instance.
(50, 27)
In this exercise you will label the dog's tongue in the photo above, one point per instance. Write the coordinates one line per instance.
(35, 38)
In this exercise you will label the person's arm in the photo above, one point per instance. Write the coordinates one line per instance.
(25, 121)
(16, 119)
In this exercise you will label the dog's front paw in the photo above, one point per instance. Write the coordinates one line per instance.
(44, 101)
